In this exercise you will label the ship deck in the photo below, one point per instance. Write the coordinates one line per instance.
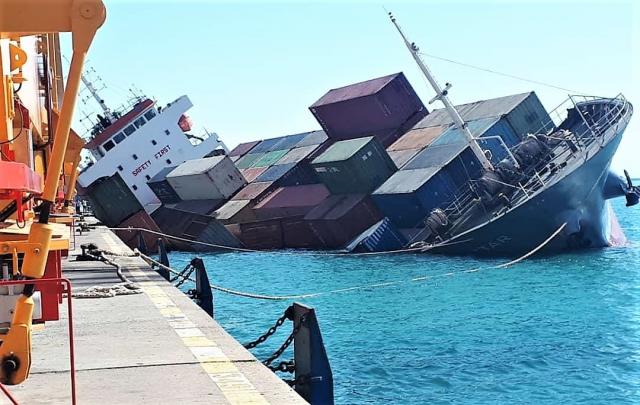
(153, 347)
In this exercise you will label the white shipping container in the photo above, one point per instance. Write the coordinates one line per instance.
(215, 178)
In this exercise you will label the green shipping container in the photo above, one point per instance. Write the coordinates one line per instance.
(270, 158)
(354, 166)
(112, 201)
(246, 161)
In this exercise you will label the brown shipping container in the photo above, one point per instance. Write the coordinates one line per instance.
(341, 218)
(193, 227)
(140, 220)
(262, 235)
(417, 138)
(252, 173)
(243, 148)
(235, 212)
(298, 234)
(291, 201)
(253, 191)
(401, 157)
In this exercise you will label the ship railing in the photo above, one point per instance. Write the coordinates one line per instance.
(594, 130)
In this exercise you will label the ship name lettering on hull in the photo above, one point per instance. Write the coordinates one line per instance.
(162, 152)
(141, 168)
(500, 240)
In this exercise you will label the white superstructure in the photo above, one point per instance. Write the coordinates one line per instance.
(143, 141)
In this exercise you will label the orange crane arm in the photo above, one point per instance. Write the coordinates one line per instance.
(30, 17)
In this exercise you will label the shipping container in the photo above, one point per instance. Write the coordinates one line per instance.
(435, 156)
(287, 142)
(205, 179)
(290, 174)
(312, 138)
(297, 154)
(235, 212)
(354, 166)
(497, 127)
(417, 138)
(254, 191)
(291, 201)
(270, 158)
(262, 235)
(524, 113)
(193, 227)
(381, 237)
(265, 145)
(204, 207)
(297, 233)
(339, 218)
(401, 157)
(161, 187)
(366, 108)
(251, 174)
(112, 201)
(247, 160)
(131, 237)
(243, 148)
(235, 158)
(275, 172)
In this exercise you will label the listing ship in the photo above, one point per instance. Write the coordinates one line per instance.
(498, 177)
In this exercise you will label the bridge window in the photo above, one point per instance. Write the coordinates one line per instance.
(119, 137)
(168, 161)
(139, 122)
(134, 187)
(150, 114)
(108, 145)
(153, 142)
(120, 168)
(166, 131)
(147, 177)
(129, 130)
(134, 156)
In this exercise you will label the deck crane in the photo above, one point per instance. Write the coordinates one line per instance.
(82, 18)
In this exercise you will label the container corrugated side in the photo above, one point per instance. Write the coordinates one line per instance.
(275, 172)
(381, 237)
(264, 146)
(235, 212)
(203, 207)
(435, 156)
(369, 107)
(218, 179)
(354, 166)
(298, 234)
(291, 201)
(243, 148)
(111, 199)
(140, 220)
(262, 235)
(340, 218)
(193, 226)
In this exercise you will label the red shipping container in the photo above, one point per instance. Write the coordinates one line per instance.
(262, 235)
(140, 220)
(253, 173)
(253, 191)
(291, 201)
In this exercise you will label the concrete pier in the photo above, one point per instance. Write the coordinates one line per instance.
(157, 347)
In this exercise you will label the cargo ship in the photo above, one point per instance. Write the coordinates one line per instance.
(494, 177)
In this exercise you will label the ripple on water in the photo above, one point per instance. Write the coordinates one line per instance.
(549, 330)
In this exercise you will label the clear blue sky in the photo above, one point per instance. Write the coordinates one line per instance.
(252, 68)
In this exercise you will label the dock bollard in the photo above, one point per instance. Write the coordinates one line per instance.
(164, 259)
(202, 293)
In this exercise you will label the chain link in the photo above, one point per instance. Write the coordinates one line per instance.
(286, 343)
(288, 314)
(284, 366)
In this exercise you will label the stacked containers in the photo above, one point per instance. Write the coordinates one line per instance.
(140, 220)
(354, 166)
(210, 178)
(407, 146)
(193, 226)
(161, 187)
(242, 149)
(381, 237)
(291, 201)
(384, 107)
(112, 201)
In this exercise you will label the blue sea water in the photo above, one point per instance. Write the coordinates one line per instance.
(550, 330)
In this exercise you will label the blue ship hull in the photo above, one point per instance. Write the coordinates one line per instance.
(577, 200)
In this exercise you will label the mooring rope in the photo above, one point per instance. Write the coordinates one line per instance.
(238, 249)
(354, 288)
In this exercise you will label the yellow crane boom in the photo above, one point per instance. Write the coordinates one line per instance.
(82, 18)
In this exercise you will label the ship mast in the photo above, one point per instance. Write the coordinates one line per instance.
(441, 94)
(94, 92)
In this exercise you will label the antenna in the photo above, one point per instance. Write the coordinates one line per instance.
(441, 95)
(94, 92)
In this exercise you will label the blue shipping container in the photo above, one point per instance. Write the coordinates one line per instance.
(381, 237)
